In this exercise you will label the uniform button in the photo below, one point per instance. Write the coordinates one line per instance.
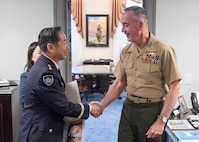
(50, 130)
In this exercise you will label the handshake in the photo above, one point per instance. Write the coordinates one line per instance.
(97, 108)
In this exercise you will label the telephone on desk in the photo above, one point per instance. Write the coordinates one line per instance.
(194, 101)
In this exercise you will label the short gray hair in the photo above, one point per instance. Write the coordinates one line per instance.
(138, 11)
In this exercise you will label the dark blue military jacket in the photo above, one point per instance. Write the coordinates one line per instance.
(46, 105)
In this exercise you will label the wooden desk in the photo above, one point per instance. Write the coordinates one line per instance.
(93, 72)
(10, 114)
(98, 62)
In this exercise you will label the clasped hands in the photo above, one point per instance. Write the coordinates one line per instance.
(97, 108)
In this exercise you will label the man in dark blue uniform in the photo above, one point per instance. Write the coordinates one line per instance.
(45, 101)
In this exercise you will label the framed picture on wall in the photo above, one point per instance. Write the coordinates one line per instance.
(183, 105)
(97, 30)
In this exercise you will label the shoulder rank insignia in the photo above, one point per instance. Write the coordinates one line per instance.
(48, 79)
(49, 67)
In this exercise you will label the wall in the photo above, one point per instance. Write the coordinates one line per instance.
(21, 22)
(177, 24)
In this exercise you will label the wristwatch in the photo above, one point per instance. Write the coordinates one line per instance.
(163, 119)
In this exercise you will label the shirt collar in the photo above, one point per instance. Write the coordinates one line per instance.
(56, 65)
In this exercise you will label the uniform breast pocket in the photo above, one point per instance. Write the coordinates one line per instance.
(129, 67)
(150, 72)
(154, 70)
(149, 67)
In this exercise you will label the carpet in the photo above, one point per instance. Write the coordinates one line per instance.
(105, 127)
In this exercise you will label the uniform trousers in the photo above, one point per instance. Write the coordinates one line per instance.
(136, 119)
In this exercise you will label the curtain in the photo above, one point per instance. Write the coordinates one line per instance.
(76, 11)
(117, 7)
(76, 44)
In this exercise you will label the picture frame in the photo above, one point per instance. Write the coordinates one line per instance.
(97, 30)
(182, 104)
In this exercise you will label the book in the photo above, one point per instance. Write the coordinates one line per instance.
(179, 124)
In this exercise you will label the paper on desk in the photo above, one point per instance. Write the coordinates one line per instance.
(187, 135)
(179, 124)
(193, 117)
(4, 82)
(72, 94)
(194, 120)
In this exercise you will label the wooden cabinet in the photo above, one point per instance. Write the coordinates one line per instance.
(10, 114)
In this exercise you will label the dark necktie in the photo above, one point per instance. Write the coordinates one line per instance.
(59, 71)
(61, 76)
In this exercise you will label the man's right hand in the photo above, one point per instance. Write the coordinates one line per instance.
(96, 109)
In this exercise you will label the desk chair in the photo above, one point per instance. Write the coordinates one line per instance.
(101, 84)
(96, 84)
(111, 78)
(83, 89)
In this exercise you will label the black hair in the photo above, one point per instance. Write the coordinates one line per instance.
(31, 49)
(48, 35)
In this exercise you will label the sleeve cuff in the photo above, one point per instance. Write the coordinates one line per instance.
(82, 111)
(90, 108)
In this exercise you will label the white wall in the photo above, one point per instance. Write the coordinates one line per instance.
(20, 24)
(177, 24)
